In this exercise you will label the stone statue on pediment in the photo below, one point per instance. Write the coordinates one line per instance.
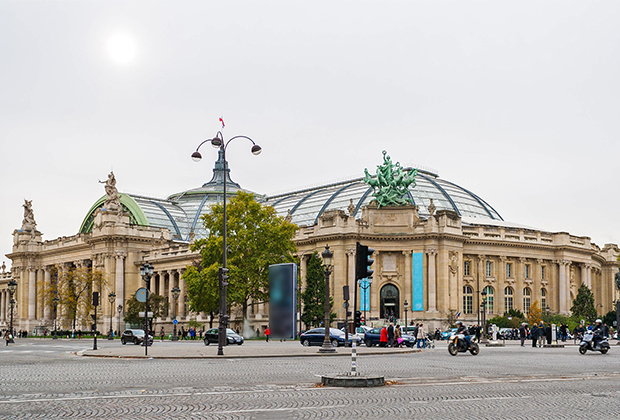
(28, 224)
(112, 201)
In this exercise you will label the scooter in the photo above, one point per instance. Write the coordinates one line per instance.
(587, 343)
(458, 344)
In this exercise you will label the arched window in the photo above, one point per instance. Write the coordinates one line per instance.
(543, 299)
(508, 299)
(527, 300)
(489, 270)
(489, 306)
(468, 300)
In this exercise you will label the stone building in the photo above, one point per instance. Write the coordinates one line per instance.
(438, 253)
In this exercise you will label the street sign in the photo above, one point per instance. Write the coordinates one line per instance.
(141, 294)
(141, 314)
(175, 322)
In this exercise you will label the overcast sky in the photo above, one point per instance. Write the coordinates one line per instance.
(515, 101)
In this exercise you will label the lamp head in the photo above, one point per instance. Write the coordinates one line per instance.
(256, 149)
(327, 256)
(175, 293)
(196, 156)
(406, 304)
(216, 142)
(12, 286)
(112, 297)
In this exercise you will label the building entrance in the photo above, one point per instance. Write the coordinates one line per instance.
(390, 302)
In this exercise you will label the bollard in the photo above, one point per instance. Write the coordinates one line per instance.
(354, 357)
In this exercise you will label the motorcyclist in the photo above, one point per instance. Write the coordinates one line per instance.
(597, 332)
(461, 329)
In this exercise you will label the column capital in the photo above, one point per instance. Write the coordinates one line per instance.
(120, 254)
(350, 252)
(431, 252)
(539, 261)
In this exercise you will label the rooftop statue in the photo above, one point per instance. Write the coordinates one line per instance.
(391, 184)
(112, 201)
(28, 224)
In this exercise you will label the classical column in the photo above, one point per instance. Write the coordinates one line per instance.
(432, 280)
(119, 282)
(408, 279)
(32, 292)
(586, 275)
(562, 285)
(47, 285)
(171, 312)
(182, 295)
(2, 307)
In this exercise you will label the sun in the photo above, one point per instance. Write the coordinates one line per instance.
(122, 48)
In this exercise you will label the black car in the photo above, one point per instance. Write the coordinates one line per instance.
(316, 336)
(231, 337)
(134, 336)
(373, 337)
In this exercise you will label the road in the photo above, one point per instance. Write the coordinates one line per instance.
(46, 379)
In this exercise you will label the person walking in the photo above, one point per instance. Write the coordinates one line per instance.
(541, 334)
(523, 334)
(161, 333)
(267, 334)
(398, 336)
(534, 335)
(383, 338)
(390, 333)
(7, 337)
(421, 336)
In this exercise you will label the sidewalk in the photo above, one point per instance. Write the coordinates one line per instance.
(250, 349)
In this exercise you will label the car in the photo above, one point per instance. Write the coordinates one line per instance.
(316, 336)
(359, 332)
(134, 336)
(211, 336)
(446, 334)
(373, 337)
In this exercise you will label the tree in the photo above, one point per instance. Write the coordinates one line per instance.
(257, 237)
(74, 287)
(451, 318)
(203, 289)
(583, 305)
(610, 318)
(313, 296)
(157, 305)
(534, 316)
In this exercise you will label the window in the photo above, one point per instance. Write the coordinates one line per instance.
(489, 306)
(527, 271)
(527, 300)
(468, 300)
(542, 272)
(508, 302)
(543, 299)
(508, 270)
(467, 268)
(489, 268)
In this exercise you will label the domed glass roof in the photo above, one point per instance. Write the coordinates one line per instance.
(180, 213)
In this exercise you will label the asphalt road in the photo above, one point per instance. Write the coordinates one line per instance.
(45, 379)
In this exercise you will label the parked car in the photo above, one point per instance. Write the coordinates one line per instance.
(211, 336)
(134, 336)
(373, 337)
(316, 336)
(359, 332)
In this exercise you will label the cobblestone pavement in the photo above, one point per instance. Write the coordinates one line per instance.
(499, 383)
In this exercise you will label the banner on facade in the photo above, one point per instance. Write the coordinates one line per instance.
(283, 300)
(364, 295)
(417, 265)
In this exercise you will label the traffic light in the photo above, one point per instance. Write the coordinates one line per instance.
(224, 276)
(363, 261)
(357, 320)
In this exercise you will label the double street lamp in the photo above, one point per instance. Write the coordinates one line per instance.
(327, 260)
(111, 299)
(12, 288)
(55, 300)
(146, 271)
(175, 295)
(218, 142)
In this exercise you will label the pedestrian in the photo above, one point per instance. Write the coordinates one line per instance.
(421, 336)
(541, 334)
(534, 335)
(161, 333)
(398, 336)
(390, 333)
(7, 337)
(414, 333)
(383, 337)
(267, 334)
(523, 334)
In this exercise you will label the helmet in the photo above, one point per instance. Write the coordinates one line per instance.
(598, 321)
(459, 322)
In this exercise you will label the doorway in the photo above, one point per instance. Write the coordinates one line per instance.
(390, 302)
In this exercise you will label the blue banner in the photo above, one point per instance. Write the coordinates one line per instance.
(417, 266)
(364, 295)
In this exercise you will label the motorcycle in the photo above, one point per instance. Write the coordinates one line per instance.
(458, 344)
(587, 343)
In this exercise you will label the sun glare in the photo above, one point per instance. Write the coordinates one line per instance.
(122, 48)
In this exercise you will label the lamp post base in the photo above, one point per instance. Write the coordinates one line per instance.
(327, 348)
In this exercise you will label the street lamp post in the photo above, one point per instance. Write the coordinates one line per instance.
(484, 317)
(119, 309)
(218, 142)
(12, 288)
(406, 306)
(55, 300)
(548, 309)
(327, 260)
(146, 271)
(111, 299)
(175, 295)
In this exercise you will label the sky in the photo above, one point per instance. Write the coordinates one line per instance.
(517, 101)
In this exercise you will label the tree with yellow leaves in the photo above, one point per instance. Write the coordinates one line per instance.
(534, 316)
